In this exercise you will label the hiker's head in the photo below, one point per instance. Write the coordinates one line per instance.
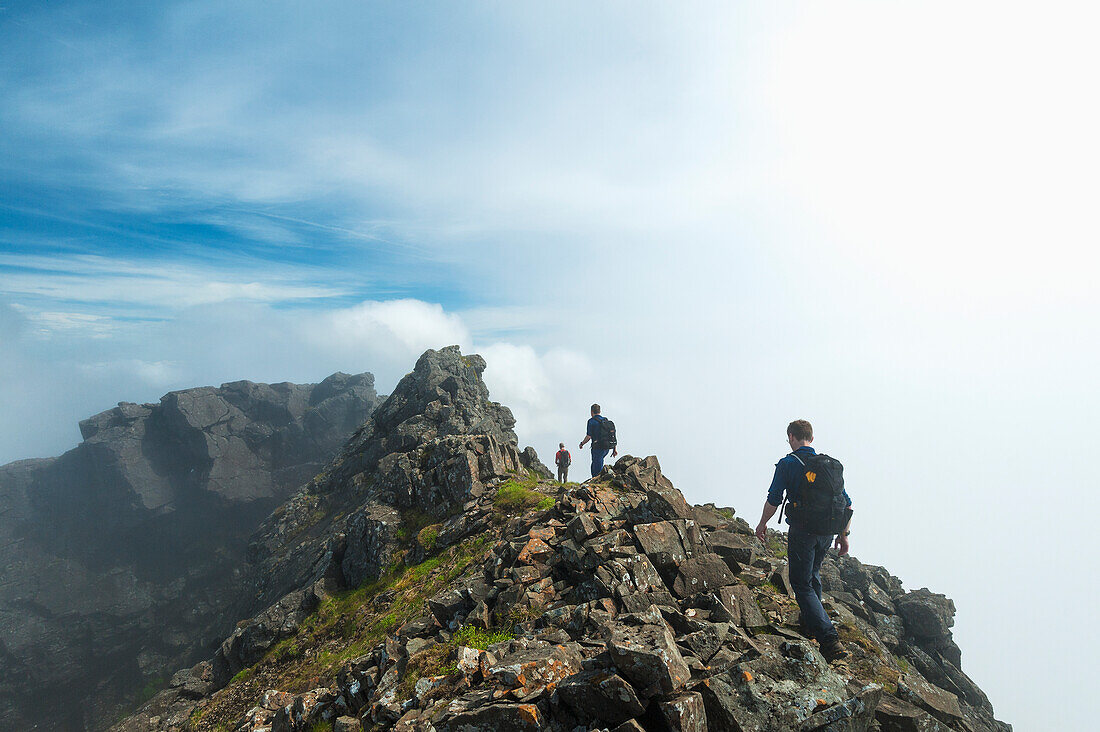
(595, 409)
(800, 432)
(561, 445)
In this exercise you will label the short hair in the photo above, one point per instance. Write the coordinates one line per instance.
(595, 409)
(561, 444)
(800, 429)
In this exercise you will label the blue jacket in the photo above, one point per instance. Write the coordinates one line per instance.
(786, 479)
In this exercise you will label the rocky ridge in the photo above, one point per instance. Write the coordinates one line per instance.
(121, 557)
(434, 578)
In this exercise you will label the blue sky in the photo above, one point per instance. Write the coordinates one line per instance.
(712, 219)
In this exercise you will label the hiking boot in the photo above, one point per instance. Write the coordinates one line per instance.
(832, 650)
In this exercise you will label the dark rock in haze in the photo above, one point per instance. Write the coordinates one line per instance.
(121, 557)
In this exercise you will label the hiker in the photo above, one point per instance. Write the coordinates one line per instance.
(818, 508)
(601, 431)
(562, 459)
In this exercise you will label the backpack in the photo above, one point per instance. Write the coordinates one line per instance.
(607, 439)
(821, 507)
(563, 459)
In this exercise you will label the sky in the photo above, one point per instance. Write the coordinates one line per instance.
(711, 218)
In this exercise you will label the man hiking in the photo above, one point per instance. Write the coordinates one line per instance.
(818, 508)
(562, 459)
(601, 431)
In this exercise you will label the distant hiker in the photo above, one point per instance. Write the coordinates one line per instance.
(818, 508)
(563, 459)
(601, 431)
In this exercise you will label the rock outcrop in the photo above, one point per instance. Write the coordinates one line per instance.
(121, 558)
(432, 579)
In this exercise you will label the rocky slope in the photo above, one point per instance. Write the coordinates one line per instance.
(434, 578)
(121, 558)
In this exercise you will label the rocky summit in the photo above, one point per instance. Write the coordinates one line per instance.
(433, 577)
(121, 559)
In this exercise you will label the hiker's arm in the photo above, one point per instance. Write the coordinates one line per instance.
(765, 516)
(585, 440)
(775, 500)
(842, 538)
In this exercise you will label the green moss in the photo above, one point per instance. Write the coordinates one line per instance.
(150, 689)
(422, 570)
(242, 676)
(850, 633)
(428, 536)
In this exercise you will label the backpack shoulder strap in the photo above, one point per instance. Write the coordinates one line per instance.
(795, 456)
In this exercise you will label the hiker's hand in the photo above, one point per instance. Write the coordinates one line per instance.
(614, 452)
(581, 447)
(842, 544)
(761, 531)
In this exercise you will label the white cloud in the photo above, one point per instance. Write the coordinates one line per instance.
(548, 392)
(412, 324)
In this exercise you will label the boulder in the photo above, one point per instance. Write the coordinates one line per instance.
(855, 714)
(661, 543)
(600, 695)
(927, 615)
(536, 667)
(703, 573)
(495, 717)
(648, 657)
(685, 712)
(727, 707)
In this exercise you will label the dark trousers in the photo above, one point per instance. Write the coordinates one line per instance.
(563, 473)
(597, 460)
(805, 552)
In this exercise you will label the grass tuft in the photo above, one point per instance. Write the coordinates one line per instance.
(472, 637)
(516, 497)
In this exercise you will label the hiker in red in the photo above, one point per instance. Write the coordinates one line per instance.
(562, 459)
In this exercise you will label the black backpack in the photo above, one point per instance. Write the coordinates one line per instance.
(820, 507)
(606, 440)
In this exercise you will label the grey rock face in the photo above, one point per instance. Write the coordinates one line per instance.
(120, 558)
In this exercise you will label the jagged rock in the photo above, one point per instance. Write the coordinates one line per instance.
(703, 573)
(726, 708)
(942, 704)
(121, 558)
(600, 696)
(495, 717)
(685, 712)
(661, 543)
(852, 715)
(534, 668)
(927, 615)
(346, 724)
(894, 715)
(369, 549)
(648, 657)
(713, 518)
(731, 547)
